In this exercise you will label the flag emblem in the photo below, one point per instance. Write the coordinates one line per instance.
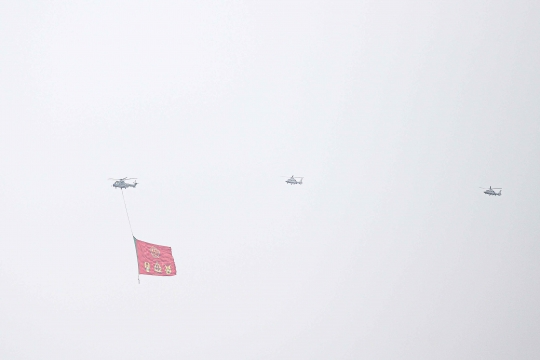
(154, 252)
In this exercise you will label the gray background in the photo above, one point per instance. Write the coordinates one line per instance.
(395, 112)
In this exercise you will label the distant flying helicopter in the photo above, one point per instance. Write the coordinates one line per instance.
(293, 181)
(122, 184)
(491, 192)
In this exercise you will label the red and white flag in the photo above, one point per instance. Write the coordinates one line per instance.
(154, 259)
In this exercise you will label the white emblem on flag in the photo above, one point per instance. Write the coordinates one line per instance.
(155, 252)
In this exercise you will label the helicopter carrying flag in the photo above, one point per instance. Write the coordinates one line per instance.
(122, 184)
(154, 259)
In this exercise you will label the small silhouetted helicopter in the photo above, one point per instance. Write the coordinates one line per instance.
(491, 192)
(122, 184)
(293, 181)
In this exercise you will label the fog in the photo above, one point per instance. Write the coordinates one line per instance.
(394, 112)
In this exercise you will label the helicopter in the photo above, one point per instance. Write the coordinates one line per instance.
(293, 181)
(491, 192)
(122, 184)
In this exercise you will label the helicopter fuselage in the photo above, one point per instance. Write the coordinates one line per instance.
(293, 181)
(121, 184)
(490, 192)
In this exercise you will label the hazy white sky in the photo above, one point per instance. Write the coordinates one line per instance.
(395, 113)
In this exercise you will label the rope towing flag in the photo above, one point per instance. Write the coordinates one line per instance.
(125, 207)
(131, 229)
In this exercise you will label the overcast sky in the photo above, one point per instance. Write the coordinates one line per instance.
(395, 112)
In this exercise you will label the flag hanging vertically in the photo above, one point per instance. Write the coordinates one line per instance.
(154, 259)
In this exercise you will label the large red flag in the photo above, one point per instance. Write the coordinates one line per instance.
(154, 259)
